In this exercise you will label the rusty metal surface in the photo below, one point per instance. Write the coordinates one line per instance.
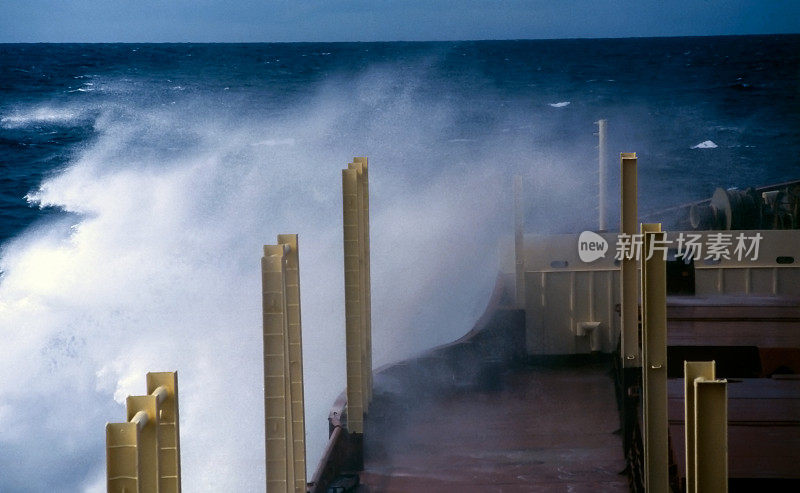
(546, 428)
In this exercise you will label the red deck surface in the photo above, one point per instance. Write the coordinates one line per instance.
(547, 429)
(765, 322)
(763, 427)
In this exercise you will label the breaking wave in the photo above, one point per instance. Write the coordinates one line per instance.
(156, 268)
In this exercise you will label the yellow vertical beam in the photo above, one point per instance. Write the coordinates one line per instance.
(367, 286)
(142, 455)
(360, 165)
(519, 242)
(169, 455)
(122, 458)
(277, 385)
(147, 441)
(295, 340)
(706, 411)
(654, 362)
(629, 299)
(711, 435)
(353, 305)
(359, 168)
(691, 371)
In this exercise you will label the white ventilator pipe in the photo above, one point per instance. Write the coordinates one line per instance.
(603, 171)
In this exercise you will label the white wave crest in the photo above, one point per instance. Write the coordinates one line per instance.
(706, 144)
(42, 115)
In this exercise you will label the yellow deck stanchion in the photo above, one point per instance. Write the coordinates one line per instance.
(164, 385)
(654, 361)
(354, 331)
(143, 454)
(295, 355)
(706, 414)
(629, 299)
(277, 385)
(284, 409)
(362, 189)
(358, 316)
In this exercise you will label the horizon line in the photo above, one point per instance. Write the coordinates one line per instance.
(574, 38)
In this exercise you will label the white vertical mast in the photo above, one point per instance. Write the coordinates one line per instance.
(603, 171)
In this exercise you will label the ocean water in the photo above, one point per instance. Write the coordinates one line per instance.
(138, 183)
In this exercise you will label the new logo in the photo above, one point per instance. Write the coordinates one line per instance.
(591, 246)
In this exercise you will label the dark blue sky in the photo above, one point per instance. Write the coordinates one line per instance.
(371, 20)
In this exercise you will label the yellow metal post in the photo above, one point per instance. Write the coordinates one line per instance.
(354, 332)
(142, 455)
(148, 439)
(706, 411)
(169, 455)
(361, 166)
(691, 371)
(277, 384)
(654, 362)
(629, 299)
(711, 436)
(122, 458)
(367, 275)
(295, 341)
(519, 242)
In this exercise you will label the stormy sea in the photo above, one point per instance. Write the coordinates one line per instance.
(138, 184)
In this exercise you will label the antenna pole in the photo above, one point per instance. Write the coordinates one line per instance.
(603, 172)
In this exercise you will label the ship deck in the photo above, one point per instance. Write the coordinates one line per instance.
(544, 427)
(480, 415)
